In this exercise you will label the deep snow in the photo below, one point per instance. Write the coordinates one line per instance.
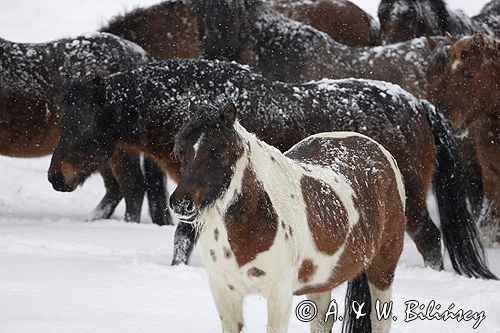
(59, 273)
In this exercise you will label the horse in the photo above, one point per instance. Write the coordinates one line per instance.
(140, 110)
(33, 76)
(342, 20)
(468, 92)
(329, 209)
(169, 29)
(488, 19)
(251, 33)
(402, 20)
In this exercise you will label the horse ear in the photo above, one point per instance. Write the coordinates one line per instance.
(432, 43)
(450, 38)
(478, 38)
(229, 114)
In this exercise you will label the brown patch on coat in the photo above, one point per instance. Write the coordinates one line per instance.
(255, 272)
(251, 221)
(343, 21)
(167, 30)
(306, 271)
(216, 234)
(326, 216)
(230, 286)
(212, 254)
(240, 326)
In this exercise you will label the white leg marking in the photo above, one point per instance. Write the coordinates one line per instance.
(229, 304)
(322, 301)
(384, 297)
(279, 305)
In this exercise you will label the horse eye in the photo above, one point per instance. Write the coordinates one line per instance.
(469, 76)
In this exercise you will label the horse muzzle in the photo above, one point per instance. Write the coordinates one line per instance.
(59, 182)
(185, 209)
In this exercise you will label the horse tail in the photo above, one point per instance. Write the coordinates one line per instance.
(358, 290)
(460, 235)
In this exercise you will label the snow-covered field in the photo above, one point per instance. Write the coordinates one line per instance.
(59, 273)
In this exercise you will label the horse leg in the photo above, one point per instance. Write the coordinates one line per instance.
(279, 305)
(487, 147)
(111, 199)
(184, 240)
(127, 170)
(380, 276)
(157, 193)
(322, 301)
(229, 305)
(420, 227)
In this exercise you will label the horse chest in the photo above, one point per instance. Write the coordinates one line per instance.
(226, 270)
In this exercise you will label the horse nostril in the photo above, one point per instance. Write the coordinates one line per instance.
(184, 207)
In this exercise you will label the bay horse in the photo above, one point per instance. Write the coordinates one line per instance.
(402, 20)
(169, 29)
(329, 209)
(32, 79)
(284, 50)
(140, 110)
(468, 92)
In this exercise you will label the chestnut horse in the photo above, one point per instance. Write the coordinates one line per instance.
(249, 32)
(327, 210)
(169, 29)
(141, 110)
(402, 20)
(468, 92)
(32, 78)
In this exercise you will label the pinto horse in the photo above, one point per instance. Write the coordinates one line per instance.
(327, 210)
(141, 109)
(32, 78)
(169, 29)
(468, 92)
(249, 32)
(402, 20)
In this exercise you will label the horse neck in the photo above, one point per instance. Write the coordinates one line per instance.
(264, 158)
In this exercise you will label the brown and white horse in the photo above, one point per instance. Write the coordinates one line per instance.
(332, 207)
(467, 90)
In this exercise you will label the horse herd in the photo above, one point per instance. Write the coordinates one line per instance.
(335, 205)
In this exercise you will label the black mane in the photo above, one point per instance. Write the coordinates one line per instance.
(439, 7)
(227, 22)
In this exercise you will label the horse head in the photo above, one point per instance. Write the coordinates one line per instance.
(208, 148)
(468, 85)
(87, 135)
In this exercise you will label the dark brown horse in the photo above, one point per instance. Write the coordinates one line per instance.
(330, 209)
(342, 20)
(468, 92)
(169, 29)
(249, 32)
(141, 109)
(32, 78)
(402, 20)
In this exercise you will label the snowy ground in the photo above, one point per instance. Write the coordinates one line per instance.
(59, 273)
